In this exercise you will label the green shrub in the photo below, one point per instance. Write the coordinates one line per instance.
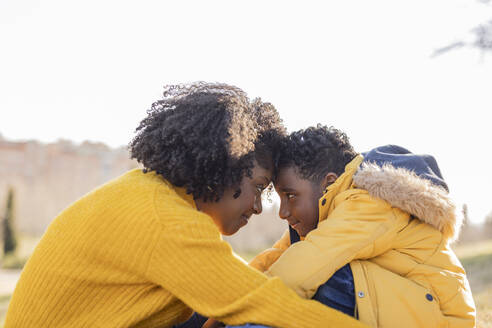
(9, 239)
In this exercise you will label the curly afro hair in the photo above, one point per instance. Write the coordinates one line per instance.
(206, 137)
(315, 152)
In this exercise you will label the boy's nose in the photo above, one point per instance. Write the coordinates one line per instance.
(283, 212)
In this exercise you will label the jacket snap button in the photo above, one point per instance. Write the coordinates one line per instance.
(429, 297)
(360, 294)
(323, 202)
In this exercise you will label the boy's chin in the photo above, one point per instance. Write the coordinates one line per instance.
(299, 232)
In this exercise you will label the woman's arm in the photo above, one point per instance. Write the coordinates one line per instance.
(193, 263)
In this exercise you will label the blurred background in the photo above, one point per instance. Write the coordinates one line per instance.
(76, 78)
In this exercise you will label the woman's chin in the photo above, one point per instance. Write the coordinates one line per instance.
(229, 231)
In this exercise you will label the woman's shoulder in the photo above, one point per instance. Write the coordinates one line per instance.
(137, 182)
(149, 194)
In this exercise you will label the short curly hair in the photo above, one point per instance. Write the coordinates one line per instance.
(205, 137)
(315, 152)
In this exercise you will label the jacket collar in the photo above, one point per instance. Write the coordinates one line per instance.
(341, 184)
(415, 195)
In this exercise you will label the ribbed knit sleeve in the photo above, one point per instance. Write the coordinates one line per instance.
(193, 263)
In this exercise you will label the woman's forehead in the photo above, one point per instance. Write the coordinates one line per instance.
(259, 172)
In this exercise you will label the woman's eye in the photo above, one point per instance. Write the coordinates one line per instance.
(260, 188)
(290, 196)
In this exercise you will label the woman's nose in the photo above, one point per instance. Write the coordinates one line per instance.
(257, 206)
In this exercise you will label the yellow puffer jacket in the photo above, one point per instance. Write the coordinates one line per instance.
(394, 229)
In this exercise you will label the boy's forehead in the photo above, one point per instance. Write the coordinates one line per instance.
(287, 177)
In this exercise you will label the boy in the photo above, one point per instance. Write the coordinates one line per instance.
(387, 214)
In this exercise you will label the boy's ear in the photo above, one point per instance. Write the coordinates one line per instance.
(329, 178)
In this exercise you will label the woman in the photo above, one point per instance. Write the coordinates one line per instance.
(145, 249)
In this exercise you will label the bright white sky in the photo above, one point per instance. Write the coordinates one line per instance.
(89, 70)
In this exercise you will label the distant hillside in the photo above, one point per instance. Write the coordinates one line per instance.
(48, 177)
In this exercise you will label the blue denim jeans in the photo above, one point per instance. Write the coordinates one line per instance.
(196, 321)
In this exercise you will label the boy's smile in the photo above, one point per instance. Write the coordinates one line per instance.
(298, 200)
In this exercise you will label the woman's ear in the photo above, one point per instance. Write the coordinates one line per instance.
(329, 178)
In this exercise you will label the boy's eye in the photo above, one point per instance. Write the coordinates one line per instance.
(260, 188)
(290, 196)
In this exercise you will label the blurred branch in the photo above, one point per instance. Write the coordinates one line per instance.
(482, 42)
(445, 49)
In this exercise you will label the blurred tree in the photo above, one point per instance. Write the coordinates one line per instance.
(8, 232)
(466, 219)
(488, 226)
(483, 36)
(488, 218)
(467, 232)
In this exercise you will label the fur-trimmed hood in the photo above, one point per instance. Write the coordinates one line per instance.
(412, 183)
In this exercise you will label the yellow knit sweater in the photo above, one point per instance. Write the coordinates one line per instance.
(136, 252)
